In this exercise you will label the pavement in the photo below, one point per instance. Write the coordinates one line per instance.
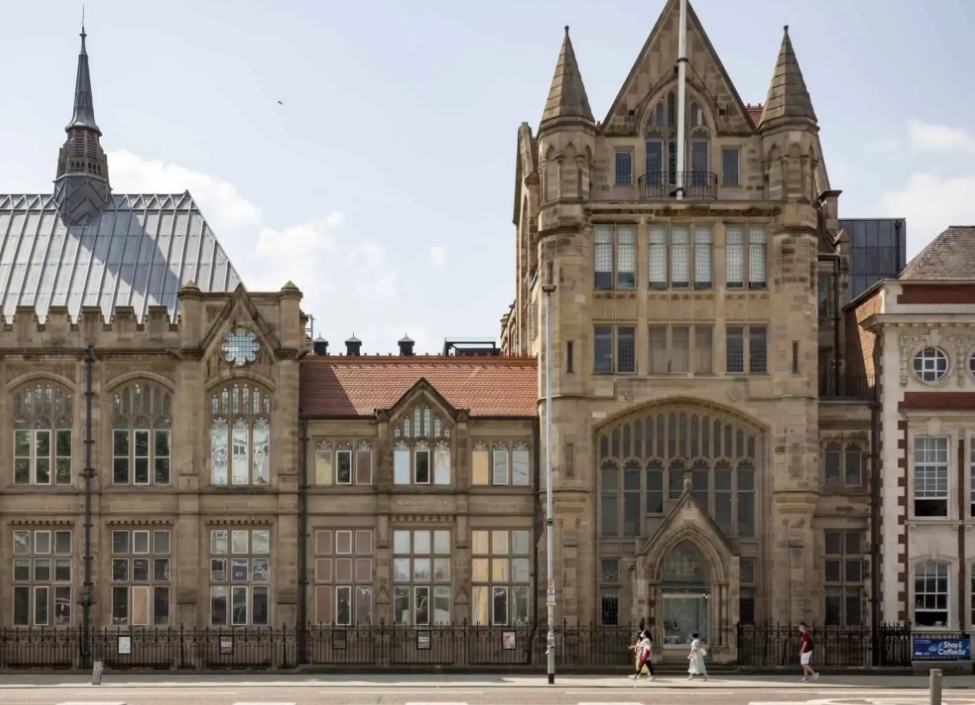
(288, 689)
(197, 681)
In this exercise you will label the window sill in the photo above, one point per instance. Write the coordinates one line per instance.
(238, 489)
(501, 489)
(29, 489)
(122, 489)
(343, 489)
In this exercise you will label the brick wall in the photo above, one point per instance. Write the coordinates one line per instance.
(861, 344)
(937, 294)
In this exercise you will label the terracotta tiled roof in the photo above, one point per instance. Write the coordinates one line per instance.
(755, 113)
(950, 256)
(357, 386)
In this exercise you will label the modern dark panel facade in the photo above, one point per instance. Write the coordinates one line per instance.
(879, 251)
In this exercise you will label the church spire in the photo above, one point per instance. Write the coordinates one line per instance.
(81, 188)
(84, 107)
(788, 99)
(567, 96)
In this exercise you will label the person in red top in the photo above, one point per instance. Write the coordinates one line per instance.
(806, 652)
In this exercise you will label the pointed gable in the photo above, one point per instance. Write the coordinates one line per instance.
(422, 390)
(567, 96)
(788, 98)
(654, 70)
(240, 312)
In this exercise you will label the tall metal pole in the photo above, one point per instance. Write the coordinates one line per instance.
(550, 539)
(681, 96)
(89, 474)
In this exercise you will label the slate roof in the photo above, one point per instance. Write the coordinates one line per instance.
(788, 96)
(949, 257)
(567, 94)
(343, 387)
(138, 252)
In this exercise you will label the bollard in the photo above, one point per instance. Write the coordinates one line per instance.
(935, 686)
(96, 673)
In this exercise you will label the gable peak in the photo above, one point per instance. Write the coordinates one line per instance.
(567, 95)
(788, 97)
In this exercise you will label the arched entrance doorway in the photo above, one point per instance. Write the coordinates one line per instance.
(685, 586)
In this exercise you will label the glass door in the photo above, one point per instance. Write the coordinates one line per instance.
(685, 615)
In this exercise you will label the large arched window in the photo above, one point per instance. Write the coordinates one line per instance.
(660, 140)
(240, 435)
(421, 455)
(141, 427)
(644, 461)
(43, 415)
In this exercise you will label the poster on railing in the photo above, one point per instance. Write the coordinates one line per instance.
(940, 649)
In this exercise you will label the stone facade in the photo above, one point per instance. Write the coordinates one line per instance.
(686, 345)
(142, 398)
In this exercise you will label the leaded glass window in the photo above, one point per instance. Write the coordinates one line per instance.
(43, 416)
(240, 435)
(422, 449)
(645, 460)
(141, 428)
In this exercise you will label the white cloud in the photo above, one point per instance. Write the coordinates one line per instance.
(439, 257)
(931, 203)
(927, 137)
(334, 270)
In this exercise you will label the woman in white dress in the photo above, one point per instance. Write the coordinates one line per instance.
(695, 659)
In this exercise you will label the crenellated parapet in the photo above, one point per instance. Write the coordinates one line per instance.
(277, 315)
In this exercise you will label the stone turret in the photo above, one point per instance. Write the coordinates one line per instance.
(790, 138)
(81, 188)
(566, 149)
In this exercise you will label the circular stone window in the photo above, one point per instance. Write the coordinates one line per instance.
(930, 365)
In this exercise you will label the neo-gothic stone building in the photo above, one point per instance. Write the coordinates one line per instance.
(230, 482)
(706, 471)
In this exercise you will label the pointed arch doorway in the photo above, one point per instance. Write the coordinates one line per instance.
(685, 589)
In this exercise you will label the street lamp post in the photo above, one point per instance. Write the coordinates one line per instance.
(550, 594)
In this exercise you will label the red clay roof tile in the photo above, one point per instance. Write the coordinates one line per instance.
(755, 112)
(339, 386)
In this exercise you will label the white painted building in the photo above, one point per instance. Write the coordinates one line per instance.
(917, 335)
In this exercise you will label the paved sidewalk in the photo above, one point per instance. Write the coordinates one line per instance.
(429, 681)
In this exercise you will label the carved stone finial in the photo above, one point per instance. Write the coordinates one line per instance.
(687, 483)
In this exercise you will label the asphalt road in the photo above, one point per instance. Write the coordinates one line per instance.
(665, 691)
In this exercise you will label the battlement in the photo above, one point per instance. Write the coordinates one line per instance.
(33, 330)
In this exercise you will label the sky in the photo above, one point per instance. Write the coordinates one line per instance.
(383, 185)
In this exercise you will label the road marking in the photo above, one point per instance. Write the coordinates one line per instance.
(436, 703)
(92, 702)
(609, 703)
(265, 703)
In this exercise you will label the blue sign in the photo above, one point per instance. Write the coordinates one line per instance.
(943, 649)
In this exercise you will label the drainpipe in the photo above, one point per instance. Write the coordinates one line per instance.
(303, 541)
(836, 323)
(536, 438)
(875, 527)
(88, 473)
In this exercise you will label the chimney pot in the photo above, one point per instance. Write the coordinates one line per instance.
(320, 346)
(353, 346)
(406, 346)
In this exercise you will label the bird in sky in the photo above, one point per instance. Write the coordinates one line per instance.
(280, 103)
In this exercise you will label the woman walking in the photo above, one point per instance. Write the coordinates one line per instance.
(644, 652)
(695, 666)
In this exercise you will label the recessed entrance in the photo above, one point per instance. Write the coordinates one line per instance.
(686, 586)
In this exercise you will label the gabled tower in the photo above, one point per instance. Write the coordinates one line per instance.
(81, 188)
